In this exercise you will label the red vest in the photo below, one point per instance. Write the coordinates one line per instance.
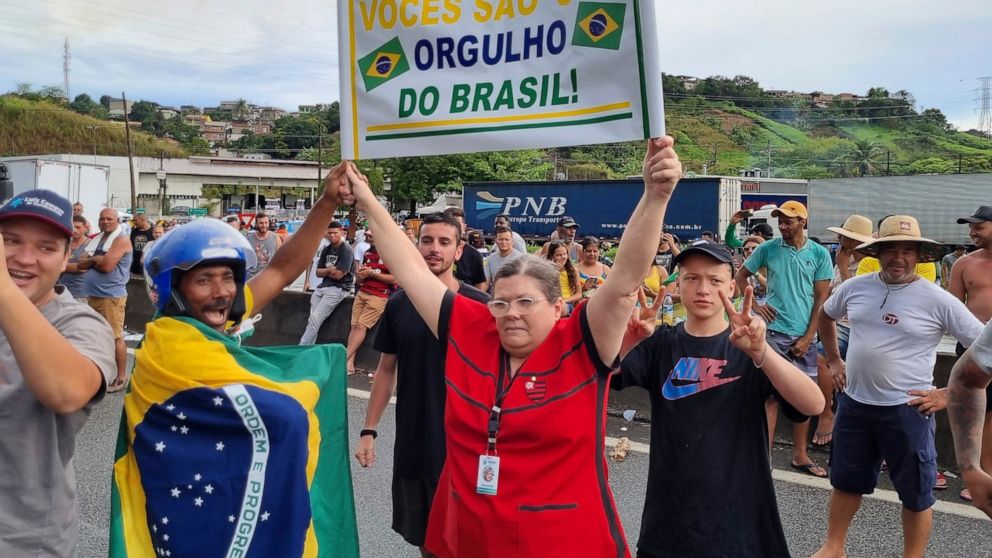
(553, 494)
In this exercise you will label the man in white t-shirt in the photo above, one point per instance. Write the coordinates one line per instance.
(888, 400)
(971, 376)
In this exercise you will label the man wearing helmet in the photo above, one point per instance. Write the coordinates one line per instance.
(252, 427)
(201, 273)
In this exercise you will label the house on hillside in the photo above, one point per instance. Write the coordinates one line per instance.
(117, 108)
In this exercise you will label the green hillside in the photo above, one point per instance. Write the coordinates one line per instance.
(39, 127)
(822, 141)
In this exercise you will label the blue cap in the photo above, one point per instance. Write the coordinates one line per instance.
(42, 205)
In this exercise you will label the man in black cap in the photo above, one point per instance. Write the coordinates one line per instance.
(708, 382)
(565, 232)
(971, 282)
(56, 358)
(764, 230)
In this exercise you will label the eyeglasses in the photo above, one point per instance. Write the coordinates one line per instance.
(523, 305)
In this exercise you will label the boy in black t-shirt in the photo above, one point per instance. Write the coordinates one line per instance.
(710, 490)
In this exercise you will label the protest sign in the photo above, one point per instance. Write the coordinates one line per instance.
(428, 77)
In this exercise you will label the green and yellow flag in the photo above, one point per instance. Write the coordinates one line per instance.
(383, 64)
(599, 25)
(232, 451)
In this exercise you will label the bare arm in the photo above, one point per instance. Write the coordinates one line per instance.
(748, 335)
(57, 374)
(409, 269)
(966, 411)
(956, 285)
(610, 306)
(107, 262)
(291, 260)
(741, 278)
(382, 389)
(821, 291)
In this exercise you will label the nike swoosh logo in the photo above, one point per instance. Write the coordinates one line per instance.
(694, 376)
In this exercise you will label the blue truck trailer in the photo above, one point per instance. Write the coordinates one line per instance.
(602, 208)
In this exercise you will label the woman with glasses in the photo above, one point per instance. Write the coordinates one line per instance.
(568, 276)
(525, 472)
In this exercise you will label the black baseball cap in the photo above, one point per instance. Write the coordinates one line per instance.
(567, 221)
(714, 250)
(982, 214)
(763, 230)
(41, 205)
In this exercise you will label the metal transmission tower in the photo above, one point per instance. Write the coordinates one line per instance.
(65, 69)
(985, 119)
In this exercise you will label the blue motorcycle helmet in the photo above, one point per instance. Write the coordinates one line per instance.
(202, 242)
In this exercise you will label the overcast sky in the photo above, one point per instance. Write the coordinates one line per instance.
(284, 53)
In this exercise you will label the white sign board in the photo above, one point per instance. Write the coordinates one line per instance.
(426, 77)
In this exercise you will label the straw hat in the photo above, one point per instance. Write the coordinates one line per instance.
(856, 227)
(903, 228)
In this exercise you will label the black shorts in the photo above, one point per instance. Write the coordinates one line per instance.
(959, 350)
(412, 498)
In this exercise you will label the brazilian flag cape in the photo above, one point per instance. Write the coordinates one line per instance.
(232, 451)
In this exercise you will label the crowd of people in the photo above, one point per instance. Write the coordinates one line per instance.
(501, 359)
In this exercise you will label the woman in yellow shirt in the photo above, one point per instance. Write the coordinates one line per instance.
(571, 291)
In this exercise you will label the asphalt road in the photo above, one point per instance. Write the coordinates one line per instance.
(803, 501)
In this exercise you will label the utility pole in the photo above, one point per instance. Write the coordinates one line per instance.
(65, 68)
(888, 162)
(130, 154)
(768, 168)
(320, 159)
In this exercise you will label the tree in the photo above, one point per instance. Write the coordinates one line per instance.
(241, 109)
(864, 156)
(105, 101)
(878, 93)
(84, 104)
(143, 111)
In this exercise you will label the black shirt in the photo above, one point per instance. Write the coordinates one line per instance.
(420, 387)
(665, 260)
(139, 238)
(341, 257)
(469, 268)
(710, 491)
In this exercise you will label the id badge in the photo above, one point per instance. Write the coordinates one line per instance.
(488, 475)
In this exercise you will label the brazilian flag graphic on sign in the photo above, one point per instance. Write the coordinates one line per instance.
(599, 25)
(383, 64)
(227, 450)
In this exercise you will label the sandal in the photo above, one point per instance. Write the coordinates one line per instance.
(966, 495)
(117, 385)
(808, 469)
(941, 482)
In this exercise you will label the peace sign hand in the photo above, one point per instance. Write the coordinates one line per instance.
(642, 321)
(747, 332)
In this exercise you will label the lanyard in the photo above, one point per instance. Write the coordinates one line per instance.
(495, 414)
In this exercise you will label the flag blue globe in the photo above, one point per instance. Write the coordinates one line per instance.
(209, 482)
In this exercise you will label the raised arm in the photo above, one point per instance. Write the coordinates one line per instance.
(966, 411)
(610, 306)
(404, 261)
(296, 254)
